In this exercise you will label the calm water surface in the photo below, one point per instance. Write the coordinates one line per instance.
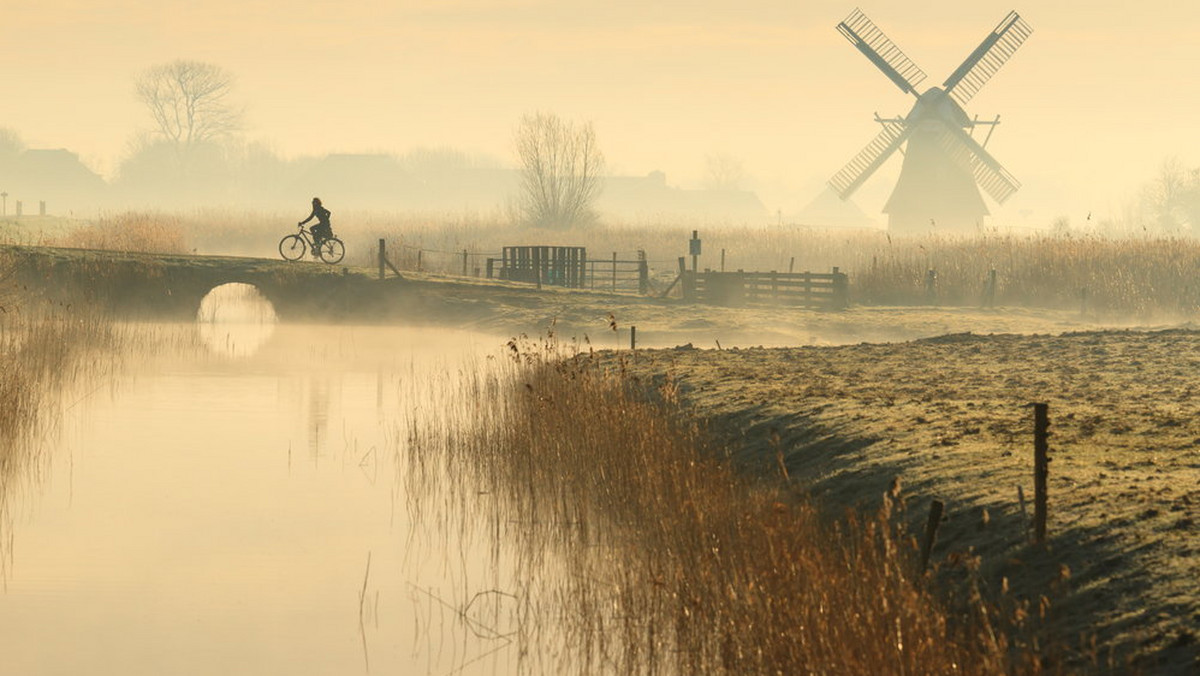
(242, 511)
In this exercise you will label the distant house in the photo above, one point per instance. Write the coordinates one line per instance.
(827, 210)
(54, 176)
(650, 197)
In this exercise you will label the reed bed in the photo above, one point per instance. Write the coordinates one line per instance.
(1135, 275)
(661, 558)
(143, 232)
(1139, 276)
(46, 348)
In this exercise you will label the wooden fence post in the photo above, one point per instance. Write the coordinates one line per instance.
(464, 262)
(1041, 469)
(643, 273)
(419, 262)
(382, 255)
(633, 337)
(491, 265)
(689, 285)
(722, 260)
(841, 290)
(936, 508)
(791, 265)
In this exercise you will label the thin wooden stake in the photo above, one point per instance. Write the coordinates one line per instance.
(382, 255)
(936, 508)
(1041, 469)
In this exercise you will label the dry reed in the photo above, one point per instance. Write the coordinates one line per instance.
(45, 348)
(1139, 276)
(673, 561)
(128, 231)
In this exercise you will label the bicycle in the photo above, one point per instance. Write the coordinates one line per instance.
(293, 247)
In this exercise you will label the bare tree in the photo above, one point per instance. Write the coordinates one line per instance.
(11, 144)
(560, 171)
(724, 172)
(189, 101)
(1171, 202)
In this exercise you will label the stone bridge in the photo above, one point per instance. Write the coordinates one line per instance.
(171, 286)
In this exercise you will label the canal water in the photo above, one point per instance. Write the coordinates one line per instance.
(236, 504)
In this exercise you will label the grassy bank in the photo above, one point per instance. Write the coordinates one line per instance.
(676, 563)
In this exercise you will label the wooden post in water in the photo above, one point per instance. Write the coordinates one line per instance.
(1041, 470)
(382, 255)
(936, 508)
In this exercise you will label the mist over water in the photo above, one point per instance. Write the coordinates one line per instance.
(245, 513)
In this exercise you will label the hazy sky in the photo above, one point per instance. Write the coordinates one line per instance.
(1091, 105)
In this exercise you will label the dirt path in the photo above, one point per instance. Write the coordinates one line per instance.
(948, 416)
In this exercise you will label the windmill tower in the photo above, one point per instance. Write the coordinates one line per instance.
(944, 166)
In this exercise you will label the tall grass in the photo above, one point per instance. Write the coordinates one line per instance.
(128, 231)
(1140, 276)
(676, 563)
(45, 348)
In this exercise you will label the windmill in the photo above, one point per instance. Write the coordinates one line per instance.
(944, 166)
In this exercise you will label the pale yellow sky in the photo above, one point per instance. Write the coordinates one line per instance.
(1091, 105)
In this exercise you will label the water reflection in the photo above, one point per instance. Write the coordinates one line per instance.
(212, 516)
(235, 319)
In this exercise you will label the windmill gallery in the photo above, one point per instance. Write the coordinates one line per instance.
(944, 166)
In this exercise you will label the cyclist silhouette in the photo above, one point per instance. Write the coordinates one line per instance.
(322, 230)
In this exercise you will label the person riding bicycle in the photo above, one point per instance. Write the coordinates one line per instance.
(322, 230)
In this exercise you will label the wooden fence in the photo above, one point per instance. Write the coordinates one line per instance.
(570, 267)
(554, 265)
(809, 289)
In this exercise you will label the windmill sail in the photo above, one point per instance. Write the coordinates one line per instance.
(991, 176)
(859, 169)
(987, 58)
(866, 36)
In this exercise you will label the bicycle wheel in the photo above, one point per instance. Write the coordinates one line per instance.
(332, 250)
(292, 247)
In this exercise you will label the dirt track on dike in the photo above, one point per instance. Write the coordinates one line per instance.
(948, 416)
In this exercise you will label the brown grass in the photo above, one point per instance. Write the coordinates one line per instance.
(129, 231)
(44, 349)
(1143, 276)
(676, 563)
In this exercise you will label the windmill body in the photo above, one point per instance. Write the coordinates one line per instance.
(944, 166)
(934, 190)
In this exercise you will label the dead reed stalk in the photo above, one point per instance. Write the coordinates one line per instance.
(672, 562)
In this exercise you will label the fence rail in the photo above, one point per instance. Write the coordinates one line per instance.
(811, 289)
(570, 267)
